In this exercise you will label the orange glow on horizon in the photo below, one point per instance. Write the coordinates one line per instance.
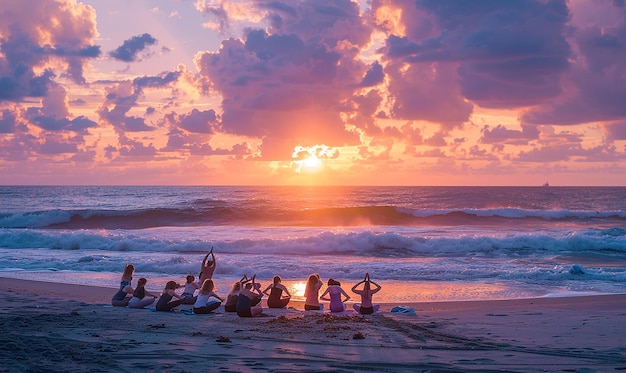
(298, 288)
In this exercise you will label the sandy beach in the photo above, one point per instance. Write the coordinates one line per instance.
(70, 328)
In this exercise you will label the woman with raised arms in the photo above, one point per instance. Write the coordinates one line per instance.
(208, 267)
(366, 307)
(250, 293)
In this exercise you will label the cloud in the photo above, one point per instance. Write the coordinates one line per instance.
(286, 85)
(78, 124)
(427, 92)
(374, 75)
(196, 121)
(129, 50)
(8, 121)
(136, 149)
(41, 40)
(596, 84)
(616, 131)
(500, 54)
(503, 135)
(54, 145)
(123, 96)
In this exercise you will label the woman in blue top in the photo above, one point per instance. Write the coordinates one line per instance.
(248, 295)
(123, 295)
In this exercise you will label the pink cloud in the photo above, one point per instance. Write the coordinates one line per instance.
(37, 33)
(286, 86)
(597, 91)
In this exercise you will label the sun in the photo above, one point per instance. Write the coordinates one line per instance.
(312, 164)
(312, 159)
(298, 288)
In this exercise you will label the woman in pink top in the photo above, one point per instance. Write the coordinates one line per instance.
(311, 293)
(366, 307)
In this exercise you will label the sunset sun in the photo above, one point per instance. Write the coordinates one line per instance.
(312, 159)
(312, 164)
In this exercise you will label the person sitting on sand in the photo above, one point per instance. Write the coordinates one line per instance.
(366, 307)
(165, 302)
(233, 295)
(207, 300)
(208, 267)
(311, 293)
(122, 297)
(335, 292)
(275, 297)
(190, 288)
(250, 292)
(141, 297)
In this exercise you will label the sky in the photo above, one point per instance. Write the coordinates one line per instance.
(313, 92)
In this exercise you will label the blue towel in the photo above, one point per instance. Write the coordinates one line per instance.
(405, 310)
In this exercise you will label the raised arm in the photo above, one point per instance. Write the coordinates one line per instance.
(213, 258)
(256, 286)
(377, 287)
(354, 290)
(204, 260)
(210, 253)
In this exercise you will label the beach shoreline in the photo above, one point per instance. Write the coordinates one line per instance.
(48, 326)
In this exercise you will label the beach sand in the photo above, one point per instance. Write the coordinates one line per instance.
(50, 327)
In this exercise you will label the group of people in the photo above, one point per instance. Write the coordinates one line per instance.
(337, 297)
(245, 295)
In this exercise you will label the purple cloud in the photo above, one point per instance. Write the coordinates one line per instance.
(8, 121)
(597, 84)
(34, 35)
(286, 86)
(374, 76)
(505, 54)
(502, 135)
(129, 50)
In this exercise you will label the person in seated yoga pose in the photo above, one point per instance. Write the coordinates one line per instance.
(312, 292)
(366, 307)
(275, 296)
(207, 300)
(190, 288)
(335, 293)
(251, 292)
(165, 302)
(208, 267)
(123, 295)
(141, 297)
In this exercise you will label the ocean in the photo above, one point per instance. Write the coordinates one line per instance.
(419, 243)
